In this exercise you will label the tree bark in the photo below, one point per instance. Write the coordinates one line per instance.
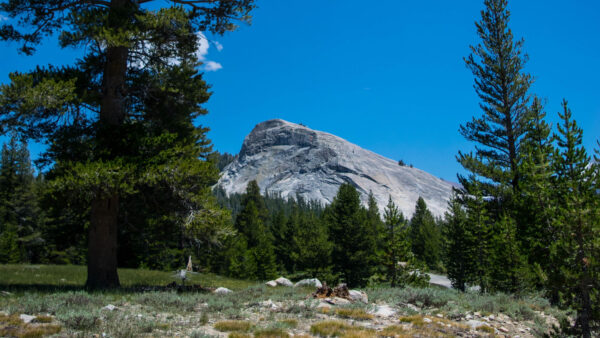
(102, 240)
(102, 243)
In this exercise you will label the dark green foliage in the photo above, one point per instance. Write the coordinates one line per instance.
(396, 254)
(353, 254)
(535, 208)
(425, 236)
(21, 219)
(577, 227)
(508, 270)
(255, 245)
(501, 84)
(221, 160)
(459, 245)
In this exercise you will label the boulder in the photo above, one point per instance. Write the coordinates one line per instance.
(109, 307)
(360, 296)
(384, 311)
(26, 318)
(309, 282)
(283, 281)
(271, 283)
(222, 291)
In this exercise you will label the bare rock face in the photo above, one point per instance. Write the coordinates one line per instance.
(291, 159)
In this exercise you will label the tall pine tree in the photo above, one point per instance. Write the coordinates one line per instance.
(576, 250)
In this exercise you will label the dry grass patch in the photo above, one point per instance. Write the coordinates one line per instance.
(271, 333)
(289, 323)
(334, 328)
(415, 320)
(13, 326)
(486, 329)
(239, 335)
(233, 325)
(43, 319)
(394, 331)
(358, 314)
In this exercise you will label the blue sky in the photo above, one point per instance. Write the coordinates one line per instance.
(387, 75)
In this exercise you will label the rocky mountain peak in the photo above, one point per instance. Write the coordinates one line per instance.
(290, 159)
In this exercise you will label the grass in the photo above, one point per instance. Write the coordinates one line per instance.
(358, 314)
(233, 325)
(13, 326)
(56, 296)
(70, 277)
(271, 333)
(334, 328)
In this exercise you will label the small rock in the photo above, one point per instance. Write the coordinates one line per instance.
(468, 317)
(503, 329)
(283, 281)
(6, 293)
(272, 283)
(359, 296)
(491, 317)
(439, 315)
(222, 291)
(269, 304)
(477, 314)
(384, 311)
(522, 330)
(26, 318)
(337, 301)
(323, 305)
(309, 282)
(109, 307)
(427, 320)
(411, 306)
(475, 323)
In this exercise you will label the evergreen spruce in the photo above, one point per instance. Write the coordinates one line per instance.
(256, 247)
(20, 217)
(353, 253)
(535, 206)
(502, 85)
(460, 243)
(396, 244)
(425, 235)
(575, 249)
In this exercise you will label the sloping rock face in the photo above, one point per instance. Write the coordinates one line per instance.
(291, 159)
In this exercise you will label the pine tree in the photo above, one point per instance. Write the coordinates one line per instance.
(576, 248)
(535, 207)
(479, 226)
(508, 270)
(459, 245)
(353, 246)
(425, 235)
(20, 217)
(123, 114)
(257, 238)
(396, 244)
(502, 85)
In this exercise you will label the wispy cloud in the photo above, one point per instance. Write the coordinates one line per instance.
(4, 18)
(202, 52)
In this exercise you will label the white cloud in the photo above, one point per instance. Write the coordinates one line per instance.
(4, 18)
(203, 46)
(202, 52)
(211, 66)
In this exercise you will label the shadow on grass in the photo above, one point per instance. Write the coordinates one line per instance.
(51, 288)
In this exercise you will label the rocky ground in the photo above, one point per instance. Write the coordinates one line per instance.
(279, 311)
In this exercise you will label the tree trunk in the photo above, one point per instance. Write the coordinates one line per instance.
(102, 240)
(102, 243)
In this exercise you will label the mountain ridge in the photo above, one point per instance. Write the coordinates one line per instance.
(289, 159)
